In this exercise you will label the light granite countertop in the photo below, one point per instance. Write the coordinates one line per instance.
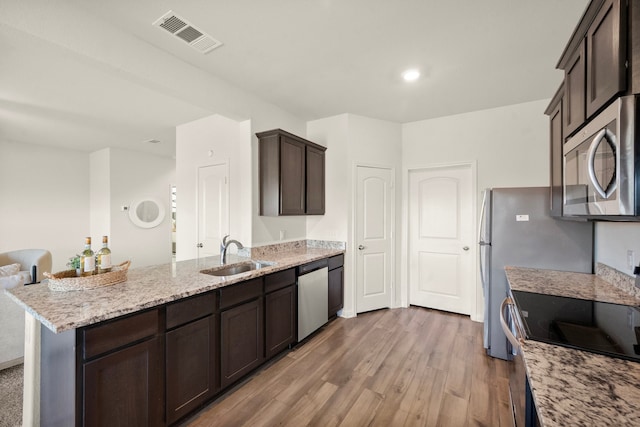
(567, 284)
(577, 388)
(572, 387)
(147, 287)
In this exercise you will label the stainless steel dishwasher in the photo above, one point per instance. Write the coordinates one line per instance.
(313, 295)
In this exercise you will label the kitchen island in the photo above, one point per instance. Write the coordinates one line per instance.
(168, 327)
(573, 387)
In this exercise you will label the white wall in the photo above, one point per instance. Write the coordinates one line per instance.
(45, 200)
(130, 176)
(229, 141)
(613, 239)
(333, 133)
(352, 140)
(100, 195)
(510, 146)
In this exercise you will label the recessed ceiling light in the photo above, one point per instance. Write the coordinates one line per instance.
(411, 75)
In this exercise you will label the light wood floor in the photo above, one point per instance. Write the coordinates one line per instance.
(413, 367)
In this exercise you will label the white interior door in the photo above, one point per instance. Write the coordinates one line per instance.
(441, 242)
(213, 208)
(374, 234)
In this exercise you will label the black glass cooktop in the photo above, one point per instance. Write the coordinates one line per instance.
(599, 327)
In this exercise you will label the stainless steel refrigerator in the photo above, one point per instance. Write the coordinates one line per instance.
(516, 229)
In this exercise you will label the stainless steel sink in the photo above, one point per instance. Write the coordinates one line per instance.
(236, 268)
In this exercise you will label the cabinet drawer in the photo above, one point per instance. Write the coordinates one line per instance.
(184, 311)
(336, 261)
(118, 333)
(241, 292)
(279, 280)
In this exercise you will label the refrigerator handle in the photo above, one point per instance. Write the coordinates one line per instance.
(484, 285)
(483, 212)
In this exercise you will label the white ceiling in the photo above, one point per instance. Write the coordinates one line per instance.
(87, 74)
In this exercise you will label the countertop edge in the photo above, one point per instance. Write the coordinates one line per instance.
(108, 314)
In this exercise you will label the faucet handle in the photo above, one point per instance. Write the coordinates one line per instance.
(224, 240)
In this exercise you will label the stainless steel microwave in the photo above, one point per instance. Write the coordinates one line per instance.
(601, 165)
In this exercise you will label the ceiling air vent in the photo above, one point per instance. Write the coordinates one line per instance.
(183, 29)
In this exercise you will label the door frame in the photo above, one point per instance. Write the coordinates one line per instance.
(352, 253)
(476, 305)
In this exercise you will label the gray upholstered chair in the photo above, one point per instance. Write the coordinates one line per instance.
(36, 262)
(28, 259)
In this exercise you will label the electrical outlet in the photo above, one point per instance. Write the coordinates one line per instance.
(631, 259)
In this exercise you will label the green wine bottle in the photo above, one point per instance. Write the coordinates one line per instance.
(87, 259)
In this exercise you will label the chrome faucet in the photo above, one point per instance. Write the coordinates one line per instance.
(224, 245)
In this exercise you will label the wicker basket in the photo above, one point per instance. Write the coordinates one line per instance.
(67, 280)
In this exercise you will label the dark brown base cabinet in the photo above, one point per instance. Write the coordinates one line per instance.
(191, 365)
(122, 377)
(280, 320)
(154, 367)
(336, 285)
(125, 387)
(242, 341)
(281, 311)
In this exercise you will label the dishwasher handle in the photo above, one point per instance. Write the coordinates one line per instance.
(312, 266)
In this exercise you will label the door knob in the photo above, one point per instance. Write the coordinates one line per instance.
(360, 247)
(465, 248)
(199, 245)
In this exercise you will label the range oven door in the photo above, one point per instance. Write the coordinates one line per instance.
(598, 164)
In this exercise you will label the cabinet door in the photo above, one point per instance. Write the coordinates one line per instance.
(606, 56)
(191, 364)
(280, 320)
(574, 90)
(336, 290)
(242, 341)
(556, 138)
(315, 181)
(125, 388)
(292, 177)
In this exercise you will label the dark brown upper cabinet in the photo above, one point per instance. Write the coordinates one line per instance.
(594, 62)
(315, 180)
(606, 56)
(575, 81)
(292, 174)
(556, 132)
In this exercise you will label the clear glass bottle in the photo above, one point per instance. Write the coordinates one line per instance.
(103, 257)
(87, 259)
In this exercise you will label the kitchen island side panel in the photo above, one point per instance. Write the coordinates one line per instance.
(58, 378)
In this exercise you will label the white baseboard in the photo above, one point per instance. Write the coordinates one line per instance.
(10, 363)
(347, 314)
